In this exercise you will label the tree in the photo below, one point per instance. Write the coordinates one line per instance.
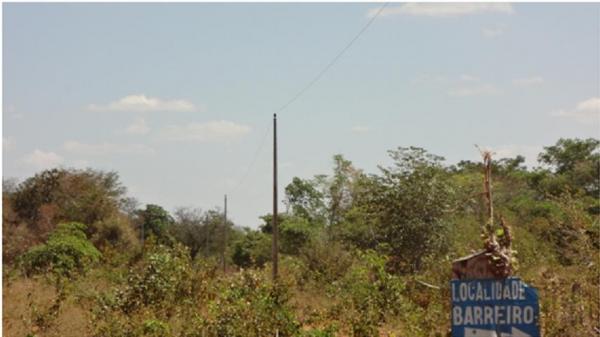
(340, 188)
(154, 220)
(188, 228)
(67, 195)
(77, 195)
(408, 202)
(305, 200)
(66, 253)
(252, 249)
(202, 232)
(576, 164)
(295, 233)
(567, 153)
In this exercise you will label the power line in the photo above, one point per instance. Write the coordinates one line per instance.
(332, 62)
(253, 161)
(305, 89)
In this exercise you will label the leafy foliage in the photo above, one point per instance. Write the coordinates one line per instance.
(202, 232)
(78, 195)
(249, 306)
(361, 254)
(252, 249)
(305, 200)
(408, 202)
(66, 253)
(154, 220)
(165, 276)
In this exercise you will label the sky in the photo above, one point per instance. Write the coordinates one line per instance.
(178, 98)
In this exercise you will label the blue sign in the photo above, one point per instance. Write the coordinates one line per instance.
(494, 308)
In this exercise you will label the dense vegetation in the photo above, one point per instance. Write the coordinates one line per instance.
(362, 254)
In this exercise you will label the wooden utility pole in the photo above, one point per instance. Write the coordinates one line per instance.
(224, 248)
(142, 236)
(275, 248)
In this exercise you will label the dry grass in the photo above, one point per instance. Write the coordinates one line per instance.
(23, 296)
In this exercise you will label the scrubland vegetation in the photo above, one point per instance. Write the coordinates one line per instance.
(358, 251)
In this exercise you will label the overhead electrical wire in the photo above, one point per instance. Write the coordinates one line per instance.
(333, 61)
(304, 89)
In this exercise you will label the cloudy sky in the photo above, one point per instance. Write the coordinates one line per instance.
(178, 98)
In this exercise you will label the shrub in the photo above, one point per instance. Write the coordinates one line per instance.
(75, 195)
(114, 232)
(153, 327)
(66, 253)
(295, 233)
(253, 249)
(370, 293)
(326, 332)
(250, 307)
(164, 277)
(327, 260)
(157, 289)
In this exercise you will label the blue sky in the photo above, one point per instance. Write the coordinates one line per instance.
(177, 97)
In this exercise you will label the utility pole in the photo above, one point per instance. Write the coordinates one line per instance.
(275, 248)
(142, 236)
(224, 235)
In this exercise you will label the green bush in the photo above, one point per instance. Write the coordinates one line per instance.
(370, 293)
(159, 287)
(253, 249)
(295, 233)
(326, 259)
(114, 232)
(164, 277)
(329, 331)
(66, 253)
(153, 327)
(248, 306)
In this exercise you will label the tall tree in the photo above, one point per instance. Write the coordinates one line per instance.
(305, 200)
(578, 161)
(154, 220)
(408, 202)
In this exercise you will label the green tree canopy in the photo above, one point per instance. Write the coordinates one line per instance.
(576, 162)
(154, 220)
(79, 195)
(66, 253)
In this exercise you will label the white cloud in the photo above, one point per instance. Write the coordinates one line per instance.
(138, 127)
(494, 31)
(104, 149)
(43, 160)
(586, 112)
(430, 79)
(528, 81)
(8, 143)
(142, 103)
(213, 131)
(468, 78)
(443, 9)
(360, 129)
(477, 90)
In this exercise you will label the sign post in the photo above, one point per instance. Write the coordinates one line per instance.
(487, 301)
(494, 308)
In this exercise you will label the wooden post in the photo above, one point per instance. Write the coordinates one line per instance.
(224, 248)
(495, 260)
(142, 236)
(275, 230)
(487, 188)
